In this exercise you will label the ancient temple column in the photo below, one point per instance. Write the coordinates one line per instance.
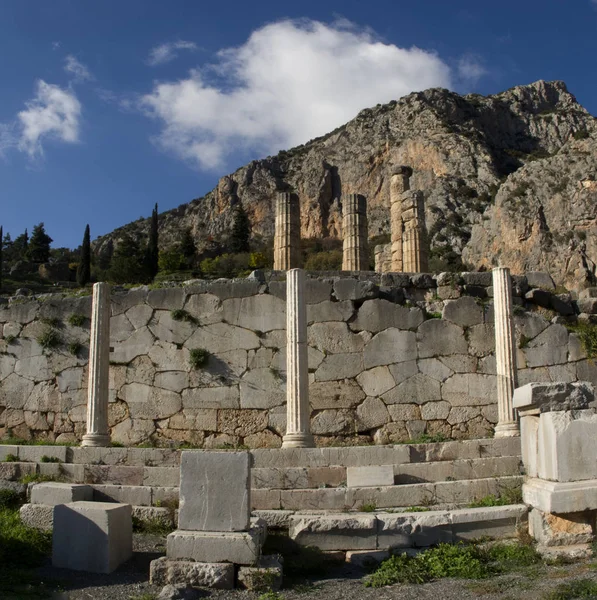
(287, 235)
(505, 353)
(98, 433)
(399, 183)
(415, 257)
(297, 371)
(355, 231)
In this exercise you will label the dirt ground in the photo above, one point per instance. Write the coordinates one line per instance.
(340, 583)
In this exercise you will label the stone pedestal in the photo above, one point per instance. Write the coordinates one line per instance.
(287, 236)
(505, 353)
(355, 256)
(297, 385)
(98, 433)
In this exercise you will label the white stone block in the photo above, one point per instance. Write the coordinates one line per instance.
(212, 575)
(559, 498)
(529, 432)
(355, 531)
(405, 530)
(92, 536)
(53, 493)
(215, 491)
(495, 522)
(238, 547)
(556, 396)
(370, 476)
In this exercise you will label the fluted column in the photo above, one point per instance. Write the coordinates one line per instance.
(414, 235)
(505, 353)
(399, 183)
(98, 433)
(355, 256)
(297, 371)
(287, 235)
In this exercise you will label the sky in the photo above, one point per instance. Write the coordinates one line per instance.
(107, 108)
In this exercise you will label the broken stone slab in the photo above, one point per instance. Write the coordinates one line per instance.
(265, 576)
(212, 575)
(539, 297)
(275, 519)
(561, 530)
(215, 491)
(238, 547)
(540, 279)
(355, 531)
(96, 537)
(559, 396)
(370, 476)
(560, 498)
(405, 530)
(52, 493)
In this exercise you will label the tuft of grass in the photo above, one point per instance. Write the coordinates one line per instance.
(587, 333)
(433, 315)
(427, 438)
(507, 496)
(49, 459)
(581, 588)
(524, 341)
(416, 509)
(9, 499)
(11, 458)
(9, 339)
(76, 320)
(51, 321)
(270, 596)
(153, 526)
(74, 348)
(37, 478)
(368, 508)
(179, 314)
(49, 338)
(198, 357)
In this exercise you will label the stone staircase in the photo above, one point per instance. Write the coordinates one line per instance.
(443, 475)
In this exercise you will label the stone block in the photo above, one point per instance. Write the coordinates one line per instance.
(275, 519)
(483, 279)
(365, 559)
(559, 396)
(34, 453)
(335, 532)
(560, 498)
(37, 516)
(370, 476)
(539, 297)
(406, 530)
(320, 499)
(92, 536)
(464, 311)
(353, 289)
(126, 494)
(212, 575)
(555, 530)
(378, 315)
(540, 279)
(265, 576)
(495, 522)
(437, 337)
(238, 547)
(215, 491)
(52, 493)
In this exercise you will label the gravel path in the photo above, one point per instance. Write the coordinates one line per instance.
(339, 584)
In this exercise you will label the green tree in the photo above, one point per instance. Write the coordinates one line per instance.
(84, 268)
(171, 260)
(39, 245)
(152, 253)
(187, 245)
(127, 262)
(20, 247)
(239, 239)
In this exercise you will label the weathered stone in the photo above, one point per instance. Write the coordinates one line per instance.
(438, 337)
(37, 516)
(370, 476)
(371, 413)
(53, 493)
(175, 381)
(335, 532)
(377, 315)
(376, 381)
(547, 397)
(221, 337)
(403, 371)
(334, 337)
(353, 289)
(148, 402)
(539, 297)
(469, 389)
(329, 311)
(332, 421)
(139, 315)
(390, 346)
(413, 529)
(419, 389)
(166, 298)
(464, 311)
(92, 536)
(559, 530)
(263, 312)
(214, 493)
(481, 339)
(135, 345)
(433, 411)
(335, 394)
(212, 575)
(167, 329)
(262, 388)
(241, 422)
(339, 366)
(316, 291)
(540, 280)
(434, 368)
(560, 497)
(496, 522)
(266, 576)
(477, 278)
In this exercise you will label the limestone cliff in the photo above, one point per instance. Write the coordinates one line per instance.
(509, 177)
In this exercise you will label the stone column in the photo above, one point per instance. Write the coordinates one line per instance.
(355, 232)
(98, 433)
(505, 353)
(399, 183)
(297, 370)
(414, 235)
(287, 235)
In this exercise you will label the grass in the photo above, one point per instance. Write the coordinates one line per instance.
(179, 314)
(463, 561)
(49, 459)
(74, 348)
(9, 339)
(49, 338)
(37, 478)
(270, 596)
(581, 588)
(11, 458)
(507, 496)
(427, 438)
(51, 321)
(416, 509)
(15, 441)
(198, 357)
(153, 526)
(368, 508)
(76, 320)
(587, 333)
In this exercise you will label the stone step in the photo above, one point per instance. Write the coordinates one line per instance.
(348, 456)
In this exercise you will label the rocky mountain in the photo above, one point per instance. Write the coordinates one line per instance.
(510, 177)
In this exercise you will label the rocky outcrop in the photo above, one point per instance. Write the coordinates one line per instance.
(506, 177)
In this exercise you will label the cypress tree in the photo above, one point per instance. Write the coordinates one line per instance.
(39, 245)
(127, 264)
(239, 240)
(152, 253)
(20, 246)
(187, 245)
(84, 268)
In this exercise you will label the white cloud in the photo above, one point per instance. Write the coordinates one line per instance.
(291, 81)
(470, 68)
(166, 52)
(8, 138)
(53, 114)
(77, 69)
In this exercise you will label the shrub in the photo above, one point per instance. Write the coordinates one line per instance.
(49, 338)
(76, 320)
(581, 134)
(179, 314)
(11, 458)
(9, 499)
(198, 357)
(49, 459)
(74, 348)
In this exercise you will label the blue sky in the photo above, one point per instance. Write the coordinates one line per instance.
(109, 107)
